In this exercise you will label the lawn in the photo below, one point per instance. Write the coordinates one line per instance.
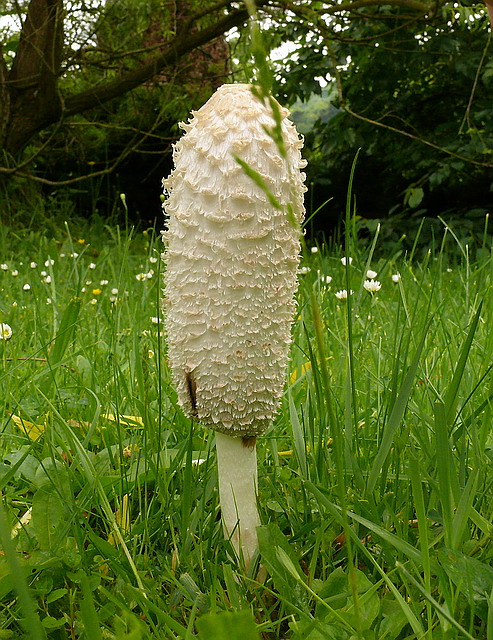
(375, 482)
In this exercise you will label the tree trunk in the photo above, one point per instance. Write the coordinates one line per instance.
(31, 101)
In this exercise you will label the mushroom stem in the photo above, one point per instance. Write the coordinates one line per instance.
(237, 471)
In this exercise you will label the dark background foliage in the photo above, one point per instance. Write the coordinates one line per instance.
(407, 84)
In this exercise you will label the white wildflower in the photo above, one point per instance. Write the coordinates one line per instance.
(33, 265)
(93, 301)
(15, 273)
(26, 287)
(396, 277)
(47, 279)
(92, 265)
(153, 259)
(343, 261)
(150, 353)
(342, 294)
(141, 277)
(43, 274)
(155, 320)
(304, 270)
(5, 331)
(103, 282)
(4, 267)
(48, 300)
(49, 263)
(371, 274)
(314, 249)
(326, 279)
(114, 291)
(372, 286)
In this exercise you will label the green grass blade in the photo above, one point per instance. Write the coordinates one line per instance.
(395, 417)
(451, 397)
(436, 605)
(30, 622)
(401, 545)
(445, 469)
(298, 436)
(464, 510)
(88, 611)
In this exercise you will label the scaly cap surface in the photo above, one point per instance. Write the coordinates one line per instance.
(231, 262)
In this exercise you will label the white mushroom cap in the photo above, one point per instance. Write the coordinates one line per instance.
(231, 262)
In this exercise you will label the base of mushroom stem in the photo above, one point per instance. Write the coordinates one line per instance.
(237, 473)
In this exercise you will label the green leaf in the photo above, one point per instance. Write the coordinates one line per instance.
(414, 196)
(56, 595)
(49, 518)
(337, 593)
(227, 625)
(473, 578)
(282, 563)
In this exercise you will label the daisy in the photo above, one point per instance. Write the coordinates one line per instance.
(372, 286)
(371, 274)
(5, 331)
(342, 294)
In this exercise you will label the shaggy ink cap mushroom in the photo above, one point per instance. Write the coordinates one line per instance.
(231, 261)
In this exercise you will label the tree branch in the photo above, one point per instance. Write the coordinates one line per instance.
(38, 56)
(180, 46)
(377, 123)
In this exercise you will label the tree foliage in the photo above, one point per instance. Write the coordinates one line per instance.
(88, 87)
(67, 64)
(413, 93)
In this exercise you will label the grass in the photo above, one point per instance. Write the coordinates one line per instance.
(375, 481)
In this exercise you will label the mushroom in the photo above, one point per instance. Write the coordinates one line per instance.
(234, 205)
